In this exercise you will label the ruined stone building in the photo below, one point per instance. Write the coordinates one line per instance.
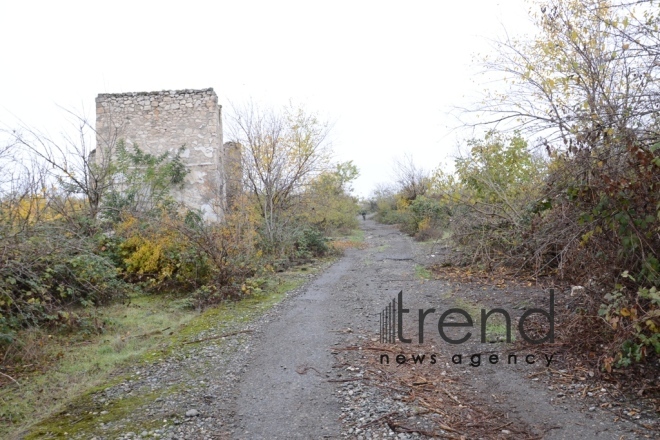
(164, 121)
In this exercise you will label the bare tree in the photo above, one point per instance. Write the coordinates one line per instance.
(589, 78)
(72, 161)
(282, 150)
(411, 180)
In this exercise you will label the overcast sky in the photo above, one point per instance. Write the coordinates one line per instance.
(386, 73)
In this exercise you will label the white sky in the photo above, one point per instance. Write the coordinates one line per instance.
(387, 73)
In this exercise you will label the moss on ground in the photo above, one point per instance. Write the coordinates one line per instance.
(85, 416)
(59, 402)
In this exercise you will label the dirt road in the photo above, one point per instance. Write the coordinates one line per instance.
(285, 392)
(298, 383)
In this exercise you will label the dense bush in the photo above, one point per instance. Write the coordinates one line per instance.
(311, 243)
(155, 251)
(54, 257)
(141, 182)
(591, 217)
(491, 198)
(327, 204)
(587, 84)
(587, 210)
(611, 198)
(45, 267)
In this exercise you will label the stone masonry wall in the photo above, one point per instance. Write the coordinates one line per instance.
(163, 122)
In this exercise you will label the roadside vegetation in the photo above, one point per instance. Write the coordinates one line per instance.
(99, 263)
(569, 187)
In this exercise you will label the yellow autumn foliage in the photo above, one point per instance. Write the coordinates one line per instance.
(28, 210)
(155, 250)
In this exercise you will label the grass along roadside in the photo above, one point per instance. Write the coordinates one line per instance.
(74, 363)
(147, 329)
(357, 235)
(495, 324)
(423, 273)
(355, 240)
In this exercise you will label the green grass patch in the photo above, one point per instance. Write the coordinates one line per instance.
(357, 235)
(495, 324)
(76, 362)
(423, 273)
(87, 415)
(473, 309)
(148, 329)
(352, 241)
(496, 329)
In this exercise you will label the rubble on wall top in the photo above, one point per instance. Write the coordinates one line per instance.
(161, 92)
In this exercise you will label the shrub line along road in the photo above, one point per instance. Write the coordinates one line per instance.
(297, 371)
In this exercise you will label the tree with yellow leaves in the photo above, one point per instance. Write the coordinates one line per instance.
(282, 152)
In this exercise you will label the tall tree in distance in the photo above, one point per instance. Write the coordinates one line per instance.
(411, 180)
(328, 201)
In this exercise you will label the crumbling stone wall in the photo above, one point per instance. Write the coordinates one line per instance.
(163, 122)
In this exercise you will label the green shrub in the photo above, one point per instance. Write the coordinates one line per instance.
(49, 270)
(311, 242)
